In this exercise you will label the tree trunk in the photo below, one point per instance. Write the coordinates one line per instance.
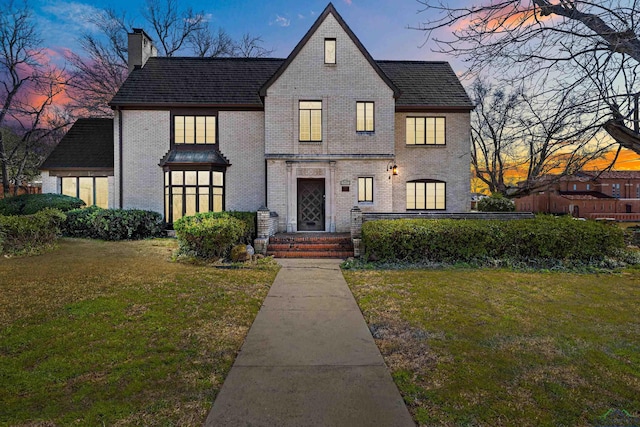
(5, 177)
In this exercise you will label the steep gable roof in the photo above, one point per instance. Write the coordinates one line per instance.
(196, 81)
(330, 9)
(87, 145)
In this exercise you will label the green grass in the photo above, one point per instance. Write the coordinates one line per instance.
(103, 333)
(497, 347)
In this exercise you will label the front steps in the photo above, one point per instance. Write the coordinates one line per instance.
(310, 245)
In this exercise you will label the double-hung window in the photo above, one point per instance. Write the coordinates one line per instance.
(425, 131)
(426, 194)
(365, 189)
(310, 121)
(365, 117)
(329, 51)
(194, 129)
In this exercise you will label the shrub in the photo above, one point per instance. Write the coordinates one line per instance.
(207, 235)
(496, 203)
(113, 224)
(30, 233)
(28, 204)
(249, 218)
(545, 237)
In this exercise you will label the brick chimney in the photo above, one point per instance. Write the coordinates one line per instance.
(140, 49)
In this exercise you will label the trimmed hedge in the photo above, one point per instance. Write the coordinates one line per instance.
(113, 224)
(29, 233)
(210, 235)
(496, 203)
(448, 240)
(28, 204)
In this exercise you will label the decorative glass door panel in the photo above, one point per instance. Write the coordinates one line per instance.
(311, 205)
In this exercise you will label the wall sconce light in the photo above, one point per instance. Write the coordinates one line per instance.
(391, 166)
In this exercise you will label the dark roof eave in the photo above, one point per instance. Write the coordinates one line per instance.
(75, 168)
(183, 164)
(172, 105)
(434, 108)
(330, 9)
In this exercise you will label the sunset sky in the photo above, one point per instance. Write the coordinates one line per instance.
(381, 25)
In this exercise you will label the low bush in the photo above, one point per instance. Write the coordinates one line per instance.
(28, 204)
(451, 241)
(113, 224)
(208, 235)
(21, 234)
(496, 203)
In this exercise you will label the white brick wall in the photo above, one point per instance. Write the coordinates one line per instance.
(449, 163)
(241, 139)
(49, 183)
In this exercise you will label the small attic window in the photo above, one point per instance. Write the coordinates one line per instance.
(329, 51)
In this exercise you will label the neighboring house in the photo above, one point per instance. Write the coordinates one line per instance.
(614, 194)
(310, 136)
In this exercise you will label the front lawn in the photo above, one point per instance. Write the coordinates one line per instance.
(504, 348)
(114, 333)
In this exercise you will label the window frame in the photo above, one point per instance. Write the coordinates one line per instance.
(168, 193)
(435, 196)
(300, 110)
(363, 198)
(93, 187)
(373, 117)
(194, 113)
(335, 50)
(435, 131)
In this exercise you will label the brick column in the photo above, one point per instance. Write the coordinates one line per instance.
(264, 222)
(356, 230)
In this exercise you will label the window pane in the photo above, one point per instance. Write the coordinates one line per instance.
(190, 201)
(369, 190)
(411, 130)
(411, 195)
(431, 195)
(419, 130)
(166, 204)
(177, 203)
(369, 116)
(329, 51)
(440, 195)
(316, 125)
(203, 196)
(200, 130)
(440, 130)
(190, 177)
(211, 130)
(420, 199)
(176, 178)
(166, 179)
(360, 121)
(203, 177)
(217, 199)
(178, 129)
(305, 125)
(431, 130)
(86, 190)
(69, 187)
(189, 129)
(218, 179)
(361, 189)
(102, 192)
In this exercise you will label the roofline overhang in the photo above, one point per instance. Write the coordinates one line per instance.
(434, 108)
(170, 106)
(59, 169)
(330, 9)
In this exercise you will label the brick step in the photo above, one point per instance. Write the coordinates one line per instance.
(310, 246)
(310, 254)
(311, 239)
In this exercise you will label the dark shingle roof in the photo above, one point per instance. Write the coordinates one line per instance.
(88, 144)
(186, 156)
(174, 82)
(196, 81)
(426, 84)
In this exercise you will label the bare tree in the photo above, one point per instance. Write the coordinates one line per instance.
(250, 46)
(525, 134)
(172, 25)
(99, 73)
(205, 44)
(568, 44)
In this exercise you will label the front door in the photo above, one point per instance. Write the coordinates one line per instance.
(310, 204)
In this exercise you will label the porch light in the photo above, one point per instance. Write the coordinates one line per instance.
(393, 168)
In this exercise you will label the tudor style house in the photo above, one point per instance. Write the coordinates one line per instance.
(310, 136)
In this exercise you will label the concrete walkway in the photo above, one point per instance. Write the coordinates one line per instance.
(309, 359)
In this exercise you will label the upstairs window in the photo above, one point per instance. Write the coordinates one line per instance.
(310, 121)
(425, 131)
(426, 194)
(329, 51)
(194, 129)
(615, 190)
(365, 117)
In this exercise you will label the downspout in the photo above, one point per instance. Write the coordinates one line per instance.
(266, 181)
(121, 185)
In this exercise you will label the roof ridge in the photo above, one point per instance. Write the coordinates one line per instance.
(219, 58)
(412, 61)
